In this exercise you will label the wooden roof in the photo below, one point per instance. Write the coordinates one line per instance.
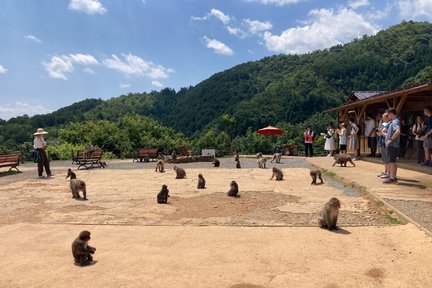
(370, 97)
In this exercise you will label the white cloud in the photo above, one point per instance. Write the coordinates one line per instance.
(225, 19)
(354, 4)
(157, 84)
(277, 2)
(217, 46)
(124, 85)
(33, 38)
(326, 28)
(89, 70)
(134, 65)
(88, 6)
(236, 32)
(60, 65)
(8, 111)
(3, 70)
(255, 26)
(412, 9)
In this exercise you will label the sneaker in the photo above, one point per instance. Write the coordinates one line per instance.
(381, 174)
(354, 159)
(391, 181)
(385, 176)
(41, 177)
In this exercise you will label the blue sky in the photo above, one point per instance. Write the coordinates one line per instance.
(57, 52)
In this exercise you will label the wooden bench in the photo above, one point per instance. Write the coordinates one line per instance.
(10, 160)
(77, 156)
(88, 160)
(145, 154)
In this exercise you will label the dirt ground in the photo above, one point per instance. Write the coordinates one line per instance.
(201, 238)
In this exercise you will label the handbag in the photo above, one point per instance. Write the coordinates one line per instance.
(36, 156)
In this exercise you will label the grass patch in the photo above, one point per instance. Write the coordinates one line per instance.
(379, 203)
(329, 173)
(392, 220)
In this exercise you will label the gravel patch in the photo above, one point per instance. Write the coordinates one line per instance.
(419, 211)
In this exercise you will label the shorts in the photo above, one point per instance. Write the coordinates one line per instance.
(372, 142)
(392, 154)
(384, 154)
(342, 146)
(427, 143)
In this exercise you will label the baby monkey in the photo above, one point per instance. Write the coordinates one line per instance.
(314, 174)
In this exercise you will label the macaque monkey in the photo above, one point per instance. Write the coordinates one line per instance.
(329, 214)
(216, 162)
(162, 196)
(277, 173)
(76, 185)
(314, 174)
(342, 159)
(201, 182)
(180, 172)
(160, 166)
(81, 251)
(234, 189)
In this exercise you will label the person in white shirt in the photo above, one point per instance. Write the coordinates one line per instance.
(371, 134)
(39, 145)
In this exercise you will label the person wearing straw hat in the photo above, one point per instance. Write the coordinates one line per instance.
(40, 144)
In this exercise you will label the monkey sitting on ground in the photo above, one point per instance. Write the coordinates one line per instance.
(329, 214)
(259, 155)
(216, 162)
(162, 196)
(76, 185)
(238, 166)
(103, 164)
(342, 159)
(81, 251)
(201, 182)
(262, 162)
(277, 157)
(160, 166)
(180, 172)
(278, 173)
(234, 189)
(314, 174)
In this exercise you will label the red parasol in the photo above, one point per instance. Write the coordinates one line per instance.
(270, 130)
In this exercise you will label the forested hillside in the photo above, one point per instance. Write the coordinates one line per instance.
(283, 89)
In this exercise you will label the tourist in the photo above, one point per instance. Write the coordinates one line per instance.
(40, 144)
(370, 134)
(342, 132)
(404, 137)
(329, 144)
(382, 132)
(418, 132)
(354, 141)
(392, 142)
(308, 136)
(427, 138)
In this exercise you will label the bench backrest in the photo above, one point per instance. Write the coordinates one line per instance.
(97, 153)
(148, 151)
(13, 158)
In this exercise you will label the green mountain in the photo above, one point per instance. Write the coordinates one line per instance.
(280, 88)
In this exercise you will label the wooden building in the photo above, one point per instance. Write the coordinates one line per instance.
(408, 101)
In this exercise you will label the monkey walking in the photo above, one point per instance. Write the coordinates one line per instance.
(160, 166)
(180, 172)
(329, 214)
(162, 196)
(262, 162)
(278, 173)
(201, 182)
(76, 185)
(277, 157)
(103, 164)
(314, 174)
(81, 251)
(234, 189)
(342, 159)
(216, 162)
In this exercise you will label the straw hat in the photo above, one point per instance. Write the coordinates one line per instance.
(40, 131)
